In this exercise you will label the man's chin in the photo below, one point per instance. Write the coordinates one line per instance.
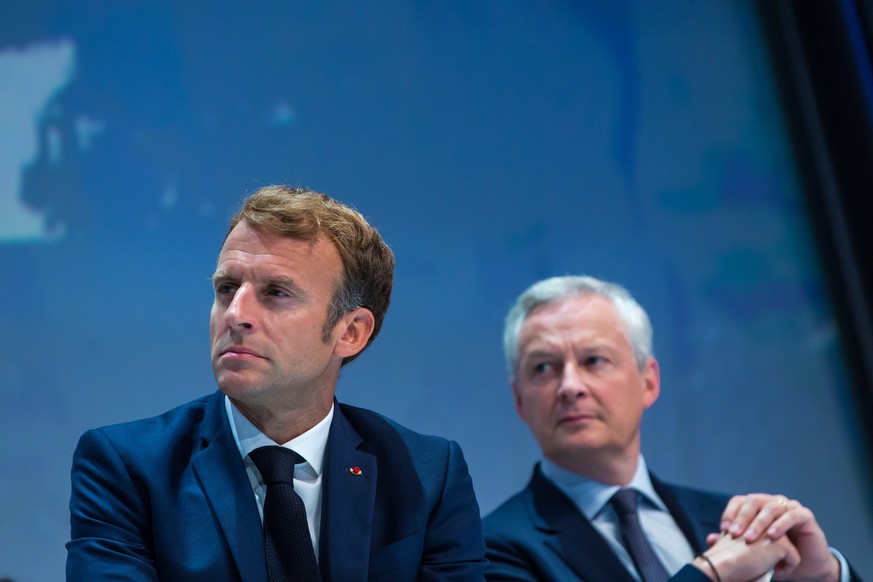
(239, 388)
(579, 441)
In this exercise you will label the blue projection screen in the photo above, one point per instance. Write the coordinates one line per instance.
(493, 144)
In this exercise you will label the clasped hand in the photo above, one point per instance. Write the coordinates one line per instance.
(761, 532)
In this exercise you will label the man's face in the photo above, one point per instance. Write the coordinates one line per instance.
(271, 302)
(578, 386)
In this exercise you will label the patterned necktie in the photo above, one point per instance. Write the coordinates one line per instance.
(648, 565)
(289, 552)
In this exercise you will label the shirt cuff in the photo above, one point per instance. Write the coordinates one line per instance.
(844, 565)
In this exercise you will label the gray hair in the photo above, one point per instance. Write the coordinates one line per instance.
(638, 328)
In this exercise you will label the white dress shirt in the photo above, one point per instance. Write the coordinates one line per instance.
(307, 476)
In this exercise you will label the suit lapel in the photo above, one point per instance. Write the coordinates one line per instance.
(571, 535)
(348, 502)
(696, 513)
(222, 475)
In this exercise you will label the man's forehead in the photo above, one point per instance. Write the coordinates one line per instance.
(245, 231)
(583, 319)
(246, 242)
(572, 311)
(252, 252)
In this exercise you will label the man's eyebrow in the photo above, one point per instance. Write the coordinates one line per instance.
(285, 281)
(548, 352)
(280, 280)
(539, 352)
(222, 276)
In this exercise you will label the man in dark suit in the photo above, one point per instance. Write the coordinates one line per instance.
(579, 352)
(301, 287)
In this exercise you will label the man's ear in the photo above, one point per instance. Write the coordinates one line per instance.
(357, 327)
(516, 395)
(652, 379)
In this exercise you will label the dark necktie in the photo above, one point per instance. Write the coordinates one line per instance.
(648, 565)
(289, 552)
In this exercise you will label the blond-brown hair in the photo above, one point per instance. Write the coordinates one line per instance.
(368, 263)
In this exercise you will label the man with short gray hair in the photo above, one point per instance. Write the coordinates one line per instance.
(579, 354)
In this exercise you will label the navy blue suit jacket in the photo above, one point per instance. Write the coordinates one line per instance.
(539, 535)
(168, 498)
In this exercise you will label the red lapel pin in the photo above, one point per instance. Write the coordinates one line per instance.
(356, 471)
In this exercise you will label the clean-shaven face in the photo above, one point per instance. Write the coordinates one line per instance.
(271, 301)
(578, 386)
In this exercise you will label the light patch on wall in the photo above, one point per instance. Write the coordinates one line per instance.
(32, 76)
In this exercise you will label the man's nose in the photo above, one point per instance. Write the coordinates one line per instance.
(573, 383)
(239, 313)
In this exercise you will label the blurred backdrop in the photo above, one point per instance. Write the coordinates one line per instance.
(492, 143)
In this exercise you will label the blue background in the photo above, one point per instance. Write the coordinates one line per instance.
(493, 144)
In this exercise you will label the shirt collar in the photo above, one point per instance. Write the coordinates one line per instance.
(592, 496)
(309, 445)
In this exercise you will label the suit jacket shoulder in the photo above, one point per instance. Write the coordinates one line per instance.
(158, 440)
(165, 497)
(402, 448)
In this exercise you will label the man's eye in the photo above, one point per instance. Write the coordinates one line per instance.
(277, 292)
(543, 368)
(595, 360)
(224, 288)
